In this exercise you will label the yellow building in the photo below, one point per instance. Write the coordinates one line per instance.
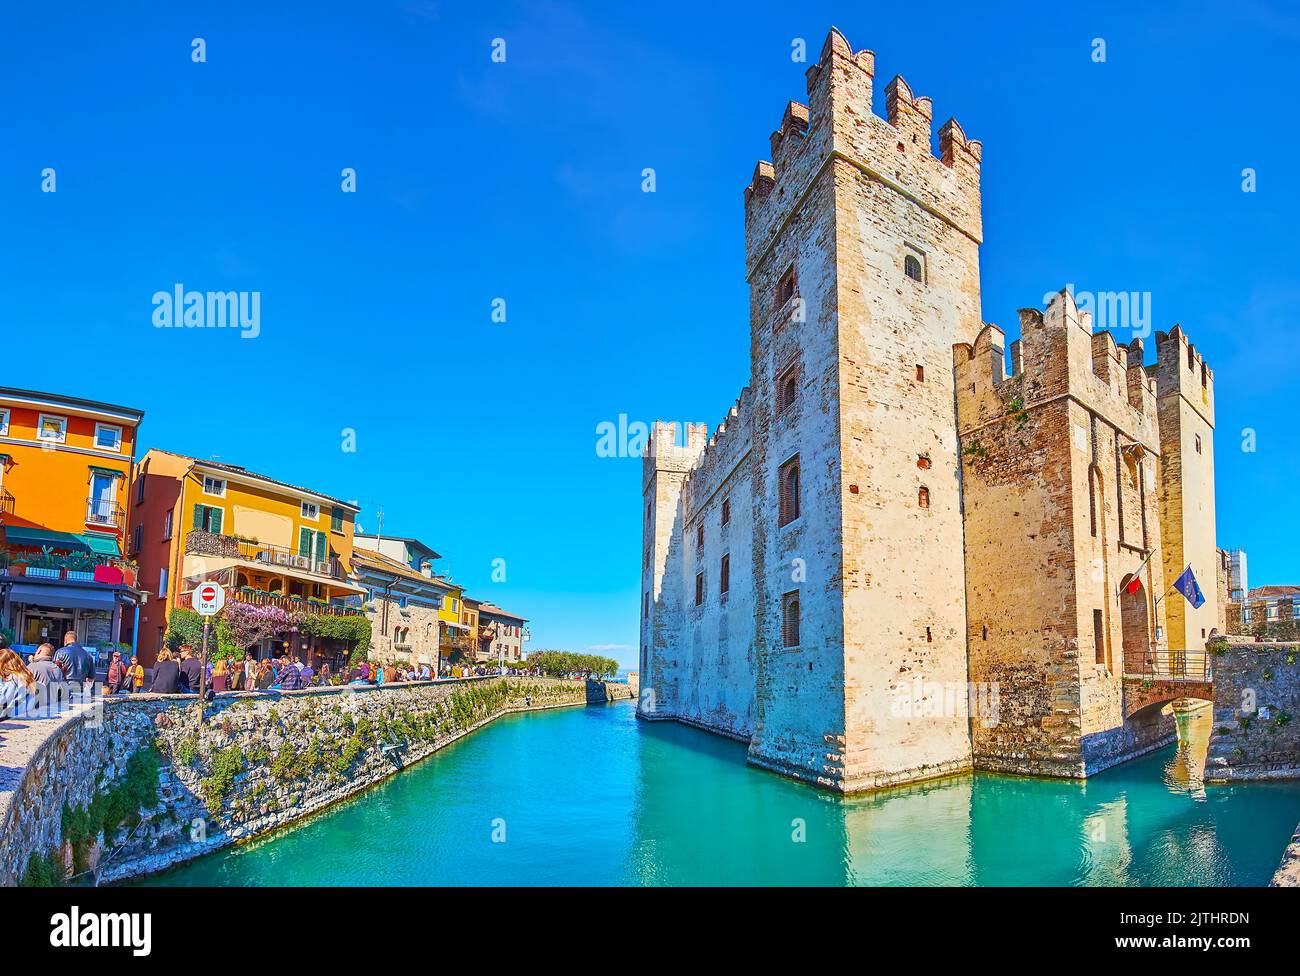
(457, 642)
(270, 543)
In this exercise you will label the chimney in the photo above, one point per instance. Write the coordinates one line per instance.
(426, 569)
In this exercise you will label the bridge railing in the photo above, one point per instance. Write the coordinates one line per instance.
(1169, 665)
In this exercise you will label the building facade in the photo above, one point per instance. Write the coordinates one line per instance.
(268, 542)
(501, 635)
(897, 558)
(403, 605)
(65, 464)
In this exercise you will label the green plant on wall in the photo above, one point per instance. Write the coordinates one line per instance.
(183, 627)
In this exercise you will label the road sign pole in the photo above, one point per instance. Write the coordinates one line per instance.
(203, 665)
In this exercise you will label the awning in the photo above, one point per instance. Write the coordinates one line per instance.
(448, 624)
(110, 472)
(67, 597)
(104, 545)
(31, 535)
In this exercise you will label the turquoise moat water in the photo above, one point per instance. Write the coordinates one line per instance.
(591, 796)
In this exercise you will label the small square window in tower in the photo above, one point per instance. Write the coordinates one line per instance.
(789, 483)
(790, 619)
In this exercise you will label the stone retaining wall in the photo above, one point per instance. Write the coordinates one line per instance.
(1288, 872)
(260, 760)
(1256, 732)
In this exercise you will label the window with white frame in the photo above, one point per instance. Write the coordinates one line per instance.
(214, 486)
(162, 581)
(310, 511)
(4, 423)
(108, 437)
(52, 428)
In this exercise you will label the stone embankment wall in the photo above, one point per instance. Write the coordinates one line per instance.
(1256, 732)
(138, 785)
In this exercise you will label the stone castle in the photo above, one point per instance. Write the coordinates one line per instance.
(896, 558)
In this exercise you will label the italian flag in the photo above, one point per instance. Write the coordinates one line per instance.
(1134, 579)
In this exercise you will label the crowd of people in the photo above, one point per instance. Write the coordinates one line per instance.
(69, 673)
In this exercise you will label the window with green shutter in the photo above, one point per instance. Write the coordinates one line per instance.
(304, 542)
(336, 519)
(320, 547)
(207, 518)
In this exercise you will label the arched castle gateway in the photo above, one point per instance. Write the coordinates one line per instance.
(888, 527)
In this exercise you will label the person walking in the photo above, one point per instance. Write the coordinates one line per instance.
(76, 662)
(116, 673)
(135, 676)
(167, 678)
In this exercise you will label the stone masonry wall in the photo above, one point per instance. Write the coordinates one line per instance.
(260, 761)
(1256, 734)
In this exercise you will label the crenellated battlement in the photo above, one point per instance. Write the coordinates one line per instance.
(663, 453)
(1058, 354)
(724, 449)
(838, 123)
(1180, 370)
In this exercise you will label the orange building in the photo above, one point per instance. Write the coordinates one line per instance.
(65, 465)
(270, 543)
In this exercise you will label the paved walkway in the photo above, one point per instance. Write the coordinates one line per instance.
(20, 737)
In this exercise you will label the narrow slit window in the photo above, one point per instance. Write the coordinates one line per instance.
(789, 485)
(923, 497)
(790, 619)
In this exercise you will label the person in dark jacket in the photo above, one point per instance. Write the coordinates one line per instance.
(166, 675)
(76, 662)
(191, 670)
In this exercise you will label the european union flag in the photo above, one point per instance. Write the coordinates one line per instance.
(1187, 586)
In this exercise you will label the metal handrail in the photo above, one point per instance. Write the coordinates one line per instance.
(1169, 665)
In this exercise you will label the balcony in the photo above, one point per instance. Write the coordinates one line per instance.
(103, 513)
(293, 604)
(200, 543)
(6, 503)
(71, 567)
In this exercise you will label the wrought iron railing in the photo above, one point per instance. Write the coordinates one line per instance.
(6, 503)
(202, 543)
(1169, 665)
(291, 603)
(104, 512)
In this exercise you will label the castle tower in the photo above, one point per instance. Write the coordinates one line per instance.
(1060, 460)
(665, 466)
(862, 254)
(1185, 398)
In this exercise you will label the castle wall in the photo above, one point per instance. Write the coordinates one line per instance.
(716, 677)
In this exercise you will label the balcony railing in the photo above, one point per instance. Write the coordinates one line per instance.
(1160, 665)
(200, 543)
(6, 503)
(72, 567)
(104, 513)
(291, 603)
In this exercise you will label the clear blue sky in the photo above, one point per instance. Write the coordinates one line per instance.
(522, 180)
